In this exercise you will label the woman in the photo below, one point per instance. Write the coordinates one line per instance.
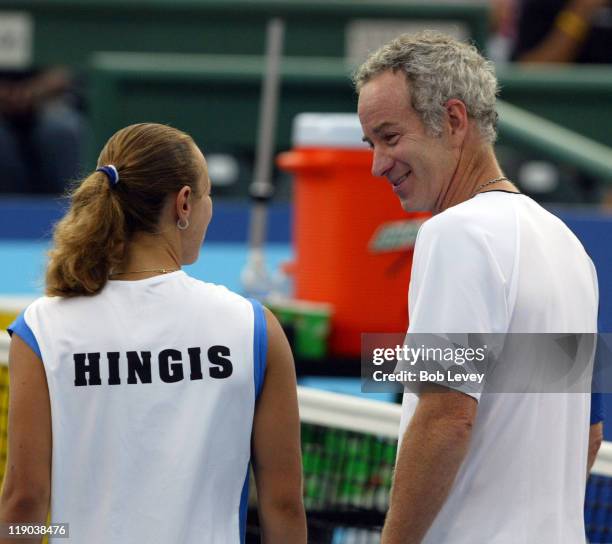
(137, 391)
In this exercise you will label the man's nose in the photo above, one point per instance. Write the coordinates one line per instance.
(381, 164)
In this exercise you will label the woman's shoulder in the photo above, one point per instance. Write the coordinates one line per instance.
(214, 292)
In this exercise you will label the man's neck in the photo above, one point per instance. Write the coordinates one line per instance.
(476, 166)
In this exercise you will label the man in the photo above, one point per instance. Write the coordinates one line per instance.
(476, 467)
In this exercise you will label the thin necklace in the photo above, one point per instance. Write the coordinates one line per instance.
(158, 270)
(487, 183)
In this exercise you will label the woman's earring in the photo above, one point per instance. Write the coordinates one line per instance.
(182, 224)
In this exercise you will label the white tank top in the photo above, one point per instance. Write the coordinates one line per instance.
(152, 386)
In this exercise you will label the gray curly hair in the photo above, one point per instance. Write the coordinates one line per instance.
(438, 68)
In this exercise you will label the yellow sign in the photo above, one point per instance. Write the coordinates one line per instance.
(10, 308)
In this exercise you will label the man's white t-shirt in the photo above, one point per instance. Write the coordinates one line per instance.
(500, 263)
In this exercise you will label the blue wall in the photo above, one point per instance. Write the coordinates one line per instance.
(32, 219)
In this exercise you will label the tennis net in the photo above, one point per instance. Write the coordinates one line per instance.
(349, 447)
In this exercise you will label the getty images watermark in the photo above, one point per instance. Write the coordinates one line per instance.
(487, 363)
(412, 358)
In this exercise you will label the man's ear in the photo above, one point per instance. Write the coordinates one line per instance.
(457, 118)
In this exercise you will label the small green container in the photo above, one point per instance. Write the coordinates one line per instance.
(310, 322)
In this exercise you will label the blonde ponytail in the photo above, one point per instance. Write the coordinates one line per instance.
(89, 241)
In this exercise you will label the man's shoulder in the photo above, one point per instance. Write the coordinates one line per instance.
(474, 218)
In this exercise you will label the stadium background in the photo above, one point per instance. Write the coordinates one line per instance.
(198, 65)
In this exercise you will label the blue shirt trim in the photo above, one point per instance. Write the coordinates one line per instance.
(260, 345)
(22, 329)
(260, 354)
(244, 503)
(597, 408)
(598, 412)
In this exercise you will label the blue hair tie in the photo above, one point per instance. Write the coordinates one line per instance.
(111, 174)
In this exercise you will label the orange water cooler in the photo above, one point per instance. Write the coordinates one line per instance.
(353, 242)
